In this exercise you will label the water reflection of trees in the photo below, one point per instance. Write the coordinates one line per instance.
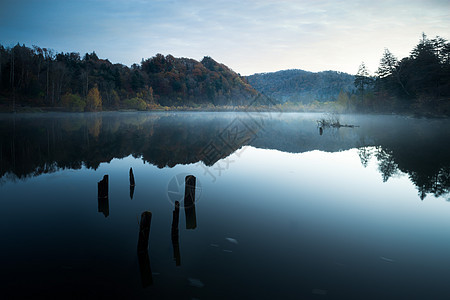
(386, 162)
(34, 145)
(30, 146)
(365, 154)
(437, 184)
(427, 181)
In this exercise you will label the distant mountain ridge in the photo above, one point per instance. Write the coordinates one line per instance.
(302, 86)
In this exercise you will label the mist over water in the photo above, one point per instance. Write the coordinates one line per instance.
(276, 210)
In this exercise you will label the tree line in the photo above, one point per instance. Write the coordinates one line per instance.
(42, 77)
(417, 83)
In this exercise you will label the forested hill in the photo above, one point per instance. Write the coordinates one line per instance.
(302, 86)
(40, 77)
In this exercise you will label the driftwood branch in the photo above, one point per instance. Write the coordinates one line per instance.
(331, 120)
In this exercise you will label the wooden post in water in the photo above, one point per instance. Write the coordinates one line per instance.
(131, 191)
(131, 177)
(144, 231)
(145, 269)
(102, 186)
(142, 249)
(189, 190)
(132, 183)
(175, 241)
(102, 192)
(189, 202)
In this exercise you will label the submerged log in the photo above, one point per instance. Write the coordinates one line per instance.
(344, 125)
(325, 123)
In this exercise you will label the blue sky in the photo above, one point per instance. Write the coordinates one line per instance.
(249, 36)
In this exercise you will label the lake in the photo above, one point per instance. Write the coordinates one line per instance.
(276, 209)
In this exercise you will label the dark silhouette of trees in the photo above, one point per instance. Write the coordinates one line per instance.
(420, 82)
(388, 64)
(365, 154)
(363, 81)
(41, 77)
(386, 163)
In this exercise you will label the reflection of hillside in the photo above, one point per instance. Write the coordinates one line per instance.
(36, 144)
(33, 145)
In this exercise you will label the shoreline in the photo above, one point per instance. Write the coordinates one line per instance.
(44, 110)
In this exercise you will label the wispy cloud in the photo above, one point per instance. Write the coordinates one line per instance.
(249, 36)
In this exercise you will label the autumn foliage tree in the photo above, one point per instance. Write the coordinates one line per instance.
(94, 100)
(42, 77)
(73, 102)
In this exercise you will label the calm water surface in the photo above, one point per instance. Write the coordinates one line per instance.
(280, 211)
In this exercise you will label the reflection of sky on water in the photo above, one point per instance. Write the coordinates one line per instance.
(331, 209)
(334, 185)
(305, 224)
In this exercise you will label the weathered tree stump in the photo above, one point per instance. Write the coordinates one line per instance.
(189, 190)
(131, 191)
(102, 187)
(144, 260)
(189, 202)
(144, 231)
(174, 234)
(102, 193)
(131, 177)
(103, 206)
(145, 269)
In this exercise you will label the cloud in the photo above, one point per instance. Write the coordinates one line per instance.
(249, 36)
